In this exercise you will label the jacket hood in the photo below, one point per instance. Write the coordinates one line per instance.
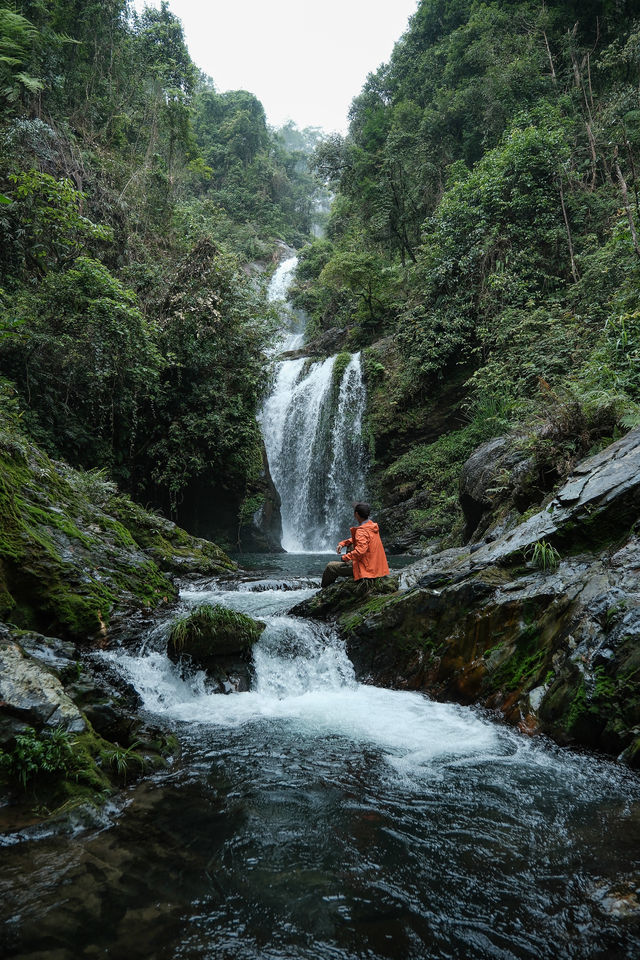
(371, 524)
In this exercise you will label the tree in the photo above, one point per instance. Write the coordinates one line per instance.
(83, 359)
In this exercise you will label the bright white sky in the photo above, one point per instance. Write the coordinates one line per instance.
(305, 60)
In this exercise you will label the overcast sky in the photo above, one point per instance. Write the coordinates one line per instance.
(304, 59)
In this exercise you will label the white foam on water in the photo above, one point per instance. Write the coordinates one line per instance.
(281, 279)
(407, 727)
(304, 677)
(260, 604)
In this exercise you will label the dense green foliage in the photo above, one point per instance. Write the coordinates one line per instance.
(49, 754)
(131, 196)
(487, 214)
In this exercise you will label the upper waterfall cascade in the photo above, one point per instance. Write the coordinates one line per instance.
(312, 428)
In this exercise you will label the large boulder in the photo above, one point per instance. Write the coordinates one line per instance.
(542, 624)
(74, 553)
(499, 471)
(31, 695)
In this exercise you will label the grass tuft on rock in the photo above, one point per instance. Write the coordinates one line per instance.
(214, 630)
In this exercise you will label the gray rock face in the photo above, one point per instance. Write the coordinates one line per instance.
(497, 470)
(264, 533)
(31, 694)
(600, 499)
(555, 649)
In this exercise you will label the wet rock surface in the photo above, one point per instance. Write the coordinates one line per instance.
(541, 624)
(219, 641)
(49, 689)
(31, 694)
(498, 469)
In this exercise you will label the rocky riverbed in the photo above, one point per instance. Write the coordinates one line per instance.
(82, 567)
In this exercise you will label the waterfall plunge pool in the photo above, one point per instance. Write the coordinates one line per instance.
(316, 817)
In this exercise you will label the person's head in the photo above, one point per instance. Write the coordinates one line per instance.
(361, 511)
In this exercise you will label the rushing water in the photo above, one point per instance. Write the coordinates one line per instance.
(312, 429)
(316, 817)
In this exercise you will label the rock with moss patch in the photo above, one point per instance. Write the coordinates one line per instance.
(67, 736)
(218, 640)
(542, 624)
(31, 694)
(73, 553)
(498, 470)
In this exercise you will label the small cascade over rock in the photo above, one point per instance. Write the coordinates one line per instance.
(312, 429)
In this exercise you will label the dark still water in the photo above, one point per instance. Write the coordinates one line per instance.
(315, 817)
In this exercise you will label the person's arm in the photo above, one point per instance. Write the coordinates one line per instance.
(360, 547)
(343, 543)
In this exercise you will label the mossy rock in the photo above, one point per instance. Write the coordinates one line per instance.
(212, 631)
(73, 552)
(172, 548)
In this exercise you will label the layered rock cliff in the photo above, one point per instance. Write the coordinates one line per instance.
(541, 623)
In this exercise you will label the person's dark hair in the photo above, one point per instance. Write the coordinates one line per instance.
(362, 509)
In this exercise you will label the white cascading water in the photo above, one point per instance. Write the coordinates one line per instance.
(312, 429)
(304, 678)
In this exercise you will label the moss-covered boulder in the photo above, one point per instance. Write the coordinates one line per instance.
(73, 551)
(169, 546)
(213, 638)
(68, 735)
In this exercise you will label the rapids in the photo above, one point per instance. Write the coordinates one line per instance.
(319, 817)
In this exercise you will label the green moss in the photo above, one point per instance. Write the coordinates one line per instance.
(211, 628)
(578, 706)
(65, 563)
(606, 688)
(375, 604)
(348, 623)
(120, 533)
(523, 669)
(168, 544)
(249, 506)
(341, 363)
(433, 470)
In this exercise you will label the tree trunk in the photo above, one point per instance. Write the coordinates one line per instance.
(625, 198)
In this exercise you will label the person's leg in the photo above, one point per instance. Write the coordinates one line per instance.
(335, 569)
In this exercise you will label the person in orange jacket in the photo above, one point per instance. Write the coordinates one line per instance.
(366, 560)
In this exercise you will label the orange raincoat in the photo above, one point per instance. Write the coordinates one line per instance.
(368, 556)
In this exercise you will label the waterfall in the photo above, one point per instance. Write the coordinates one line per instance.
(312, 429)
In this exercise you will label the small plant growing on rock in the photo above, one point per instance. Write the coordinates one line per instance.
(120, 757)
(543, 555)
(213, 628)
(39, 754)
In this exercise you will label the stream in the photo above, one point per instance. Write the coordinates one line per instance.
(317, 817)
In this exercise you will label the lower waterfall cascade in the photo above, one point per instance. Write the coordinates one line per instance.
(321, 818)
(312, 429)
